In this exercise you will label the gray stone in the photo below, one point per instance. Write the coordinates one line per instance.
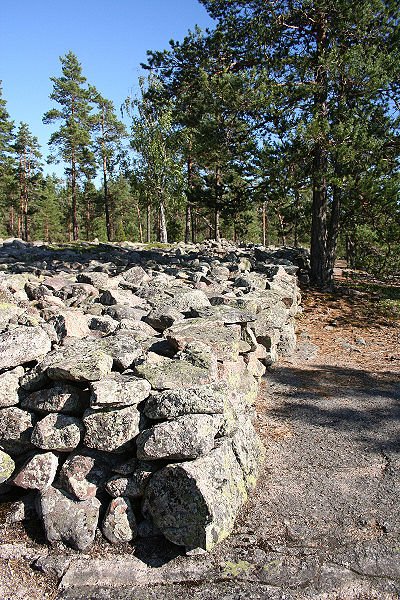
(112, 430)
(123, 348)
(119, 390)
(7, 466)
(122, 311)
(118, 296)
(195, 503)
(57, 432)
(249, 451)
(163, 317)
(135, 276)
(9, 386)
(23, 345)
(38, 472)
(70, 323)
(119, 523)
(135, 483)
(67, 520)
(193, 367)
(16, 428)
(223, 340)
(79, 360)
(102, 324)
(205, 399)
(60, 397)
(188, 437)
(83, 473)
(226, 314)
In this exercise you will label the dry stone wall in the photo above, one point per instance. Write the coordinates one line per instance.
(127, 383)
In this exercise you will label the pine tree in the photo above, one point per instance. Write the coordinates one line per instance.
(326, 67)
(7, 167)
(109, 134)
(72, 140)
(27, 149)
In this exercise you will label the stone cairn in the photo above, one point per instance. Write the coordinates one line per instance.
(127, 379)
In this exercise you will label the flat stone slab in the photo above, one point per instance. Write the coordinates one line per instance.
(223, 340)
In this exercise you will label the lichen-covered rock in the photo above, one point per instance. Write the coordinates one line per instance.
(23, 345)
(228, 315)
(196, 365)
(111, 430)
(119, 390)
(78, 360)
(185, 438)
(135, 276)
(60, 397)
(204, 399)
(38, 472)
(58, 432)
(119, 523)
(7, 466)
(195, 503)
(134, 484)
(16, 428)
(9, 386)
(223, 340)
(163, 317)
(70, 521)
(122, 347)
(249, 451)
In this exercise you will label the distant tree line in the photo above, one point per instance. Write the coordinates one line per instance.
(280, 125)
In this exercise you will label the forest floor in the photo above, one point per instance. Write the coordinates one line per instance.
(324, 521)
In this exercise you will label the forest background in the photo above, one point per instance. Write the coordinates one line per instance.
(279, 124)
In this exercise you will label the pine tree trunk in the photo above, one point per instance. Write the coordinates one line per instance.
(265, 236)
(109, 227)
(75, 230)
(320, 276)
(148, 224)
(139, 222)
(218, 190)
(188, 220)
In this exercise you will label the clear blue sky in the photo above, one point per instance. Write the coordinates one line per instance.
(109, 37)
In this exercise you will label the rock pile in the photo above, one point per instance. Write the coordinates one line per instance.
(127, 379)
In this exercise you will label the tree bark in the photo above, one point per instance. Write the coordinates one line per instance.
(320, 276)
(218, 190)
(163, 224)
(188, 219)
(148, 224)
(265, 236)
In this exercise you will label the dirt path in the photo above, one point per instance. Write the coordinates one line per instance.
(324, 522)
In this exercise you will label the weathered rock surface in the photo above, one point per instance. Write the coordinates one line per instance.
(23, 345)
(67, 520)
(111, 430)
(38, 473)
(119, 523)
(206, 399)
(60, 397)
(9, 386)
(223, 340)
(185, 438)
(118, 391)
(195, 504)
(83, 473)
(16, 428)
(58, 432)
(80, 360)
